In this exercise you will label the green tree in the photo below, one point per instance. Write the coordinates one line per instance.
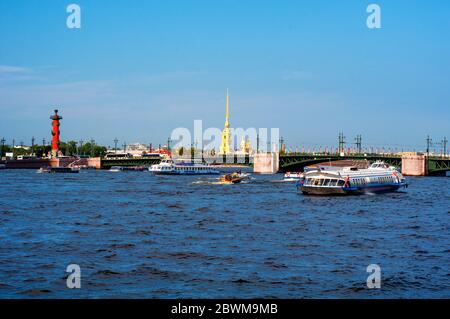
(71, 148)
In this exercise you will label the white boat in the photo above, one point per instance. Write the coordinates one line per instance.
(58, 169)
(292, 176)
(169, 167)
(127, 168)
(327, 180)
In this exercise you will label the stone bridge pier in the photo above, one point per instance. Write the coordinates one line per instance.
(414, 165)
(266, 163)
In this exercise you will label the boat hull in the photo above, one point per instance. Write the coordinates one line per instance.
(231, 178)
(331, 191)
(59, 170)
(184, 173)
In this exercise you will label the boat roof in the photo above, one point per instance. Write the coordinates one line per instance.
(182, 162)
(337, 172)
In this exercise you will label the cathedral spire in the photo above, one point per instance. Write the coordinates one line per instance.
(225, 146)
(227, 124)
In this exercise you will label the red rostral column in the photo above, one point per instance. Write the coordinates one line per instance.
(55, 133)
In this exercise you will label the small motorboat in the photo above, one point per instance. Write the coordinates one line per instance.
(2, 166)
(58, 169)
(233, 178)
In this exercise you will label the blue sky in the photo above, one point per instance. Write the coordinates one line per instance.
(138, 69)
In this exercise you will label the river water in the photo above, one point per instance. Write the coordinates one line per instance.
(135, 235)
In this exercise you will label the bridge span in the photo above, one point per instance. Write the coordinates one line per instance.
(419, 164)
(410, 164)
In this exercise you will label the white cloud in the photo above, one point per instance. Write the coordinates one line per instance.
(293, 75)
(14, 69)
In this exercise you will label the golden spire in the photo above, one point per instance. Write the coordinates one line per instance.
(225, 147)
(227, 124)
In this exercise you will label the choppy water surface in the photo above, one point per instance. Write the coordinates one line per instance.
(138, 235)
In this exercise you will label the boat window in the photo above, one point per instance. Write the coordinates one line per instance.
(327, 182)
(341, 182)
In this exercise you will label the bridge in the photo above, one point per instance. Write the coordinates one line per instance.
(291, 162)
(107, 163)
(438, 166)
(297, 162)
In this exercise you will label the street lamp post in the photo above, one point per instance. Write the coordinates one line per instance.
(429, 144)
(444, 144)
(257, 143)
(3, 145)
(32, 145)
(115, 145)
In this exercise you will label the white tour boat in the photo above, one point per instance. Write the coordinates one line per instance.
(292, 176)
(169, 167)
(328, 180)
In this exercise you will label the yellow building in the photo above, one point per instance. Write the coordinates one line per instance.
(225, 145)
(246, 147)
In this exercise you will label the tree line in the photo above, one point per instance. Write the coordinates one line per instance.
(69, 148)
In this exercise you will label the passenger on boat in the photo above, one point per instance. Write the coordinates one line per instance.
(347, 182)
